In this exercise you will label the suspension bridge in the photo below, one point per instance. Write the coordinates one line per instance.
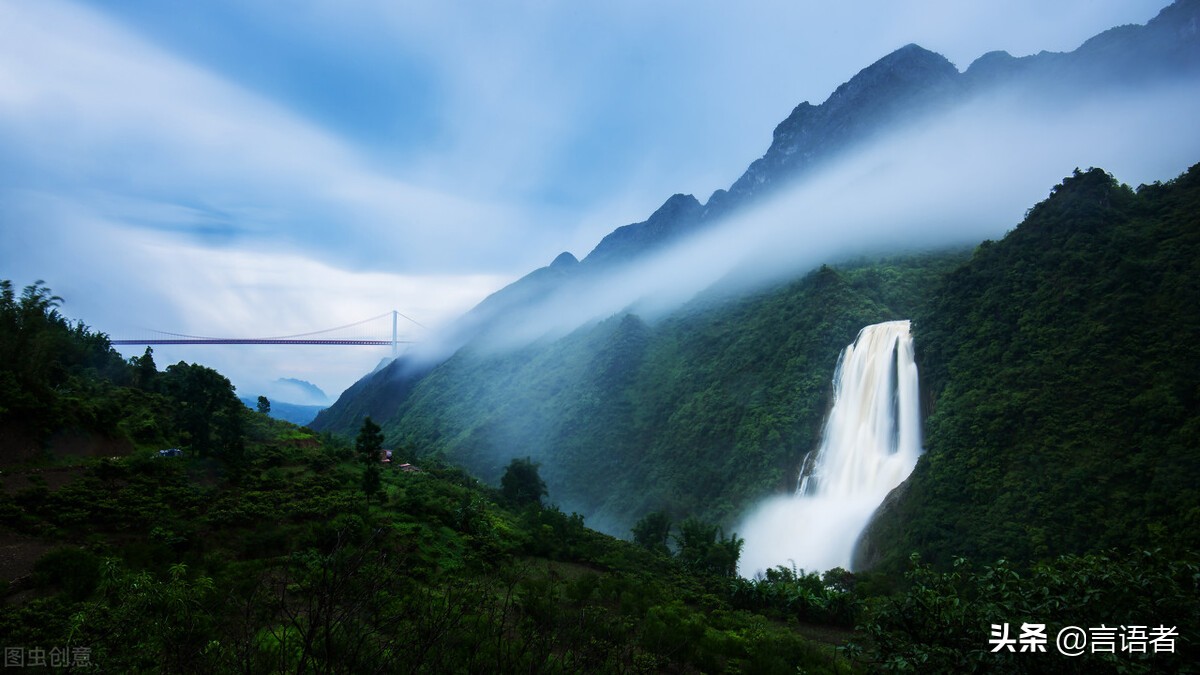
(338, 335)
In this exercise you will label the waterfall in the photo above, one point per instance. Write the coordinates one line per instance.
(869, 445)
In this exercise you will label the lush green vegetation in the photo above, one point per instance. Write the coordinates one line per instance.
(267, 548)
(1059, 366)
(1063, 366)
(63, 388)
(56, 375)
(943, 621)
(291, 570)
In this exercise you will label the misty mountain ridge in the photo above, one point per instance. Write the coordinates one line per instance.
(911, 82)
(292, 399)
(1167, 44)
(907, 86)
(906, 82)
(298, 391)
(282, 410)
(677, 215)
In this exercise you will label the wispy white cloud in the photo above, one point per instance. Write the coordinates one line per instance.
(97, 111)
(124, 155)
(150, 192)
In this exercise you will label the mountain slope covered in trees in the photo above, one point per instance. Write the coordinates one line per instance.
(256, 546)
(1063, 366)
(63, 388)
(696, 414)
(303, 554)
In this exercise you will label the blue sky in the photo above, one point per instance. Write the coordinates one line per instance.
(262, 168)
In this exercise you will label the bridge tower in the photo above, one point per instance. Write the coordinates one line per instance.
(395, 335)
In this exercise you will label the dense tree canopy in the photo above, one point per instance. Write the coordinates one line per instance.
(369, 443)
(207, 409)
(653, 531)
(1063, 370)
(521, 483)
(704, 547)
(46, 363)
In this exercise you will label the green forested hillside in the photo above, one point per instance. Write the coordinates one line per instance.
(1062, 370)
(64, 390)
(1064, 366)
(696, 414)
(258, 547)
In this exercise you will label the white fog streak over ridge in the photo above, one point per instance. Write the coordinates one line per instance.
(869, 445)
(956, 178)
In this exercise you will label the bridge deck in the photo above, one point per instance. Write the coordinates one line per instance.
(254, 341)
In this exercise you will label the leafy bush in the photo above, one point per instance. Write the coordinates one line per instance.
(73, 570)
(943, 622)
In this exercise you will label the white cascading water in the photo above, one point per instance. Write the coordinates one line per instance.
(870, 444)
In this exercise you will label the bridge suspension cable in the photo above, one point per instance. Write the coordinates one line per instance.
(308, 338)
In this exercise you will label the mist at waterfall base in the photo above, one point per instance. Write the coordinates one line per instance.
(869, 445)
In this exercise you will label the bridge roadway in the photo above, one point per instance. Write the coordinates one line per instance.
(258, 341)
(300, 339)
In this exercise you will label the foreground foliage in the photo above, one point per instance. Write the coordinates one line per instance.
(290, 570)
(945, 621)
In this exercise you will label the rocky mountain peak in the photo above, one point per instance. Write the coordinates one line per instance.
(676, 205)
(905, 82)
(565, 260)
(673, 218)
(1168, 46)
(910, 64)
